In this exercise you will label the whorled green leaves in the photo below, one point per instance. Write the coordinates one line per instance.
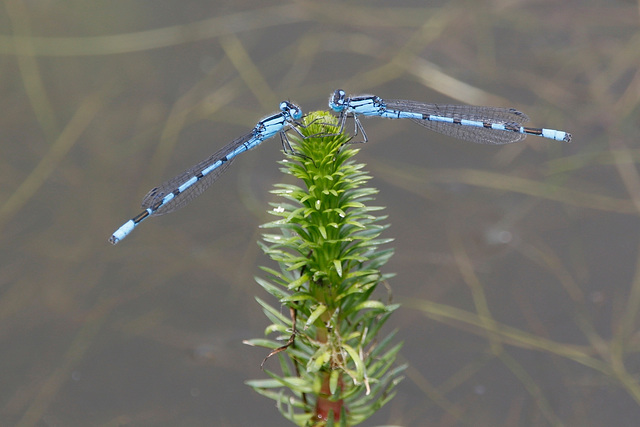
(335, 370)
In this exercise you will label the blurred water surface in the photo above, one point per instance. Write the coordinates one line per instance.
(102, 100)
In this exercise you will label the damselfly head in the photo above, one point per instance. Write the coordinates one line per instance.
(337, 100)
(291, 109)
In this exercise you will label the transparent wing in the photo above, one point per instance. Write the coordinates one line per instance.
(480, 135)
(155, 196)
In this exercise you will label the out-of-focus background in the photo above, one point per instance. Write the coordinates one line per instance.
(518, 265)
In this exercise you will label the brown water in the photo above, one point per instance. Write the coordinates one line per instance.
(101, 101)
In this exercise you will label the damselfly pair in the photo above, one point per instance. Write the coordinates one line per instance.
(483, 125)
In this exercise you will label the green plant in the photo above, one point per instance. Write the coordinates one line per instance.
(326, 240)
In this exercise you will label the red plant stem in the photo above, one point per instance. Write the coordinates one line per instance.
(324, 406)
